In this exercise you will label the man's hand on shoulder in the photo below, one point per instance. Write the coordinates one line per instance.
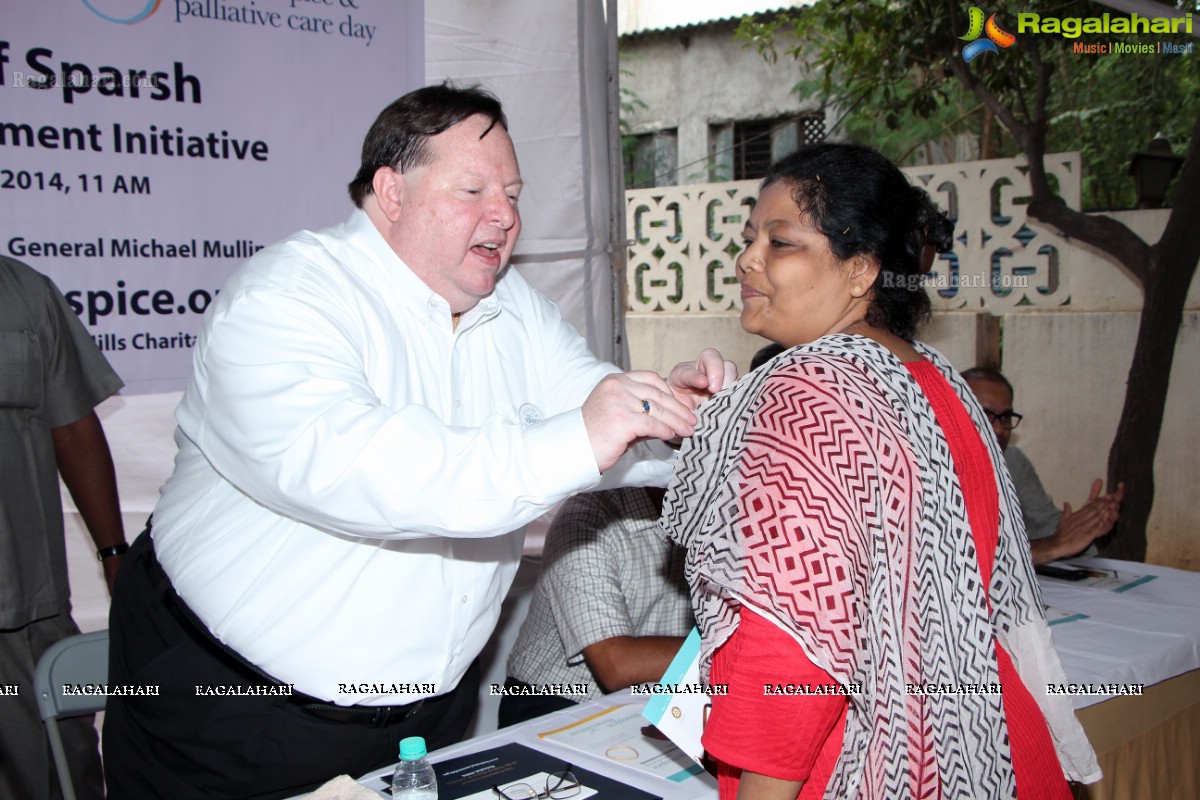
(625, 408)
(693, 382)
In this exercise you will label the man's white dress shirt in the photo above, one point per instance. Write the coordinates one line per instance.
(354, 474)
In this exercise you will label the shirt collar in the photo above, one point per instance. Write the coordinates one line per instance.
(402, 284)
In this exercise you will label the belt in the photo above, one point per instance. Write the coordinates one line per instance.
(371, 716)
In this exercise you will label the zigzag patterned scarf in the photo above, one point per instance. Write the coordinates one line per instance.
(820, 489)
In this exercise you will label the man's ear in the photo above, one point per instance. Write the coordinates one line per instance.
(388, 186)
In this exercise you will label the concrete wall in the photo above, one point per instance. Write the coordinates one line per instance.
(1069, 370)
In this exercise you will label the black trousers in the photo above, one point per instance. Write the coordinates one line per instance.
(180, 746)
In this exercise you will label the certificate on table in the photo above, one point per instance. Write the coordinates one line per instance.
(620, 734)
(1109, 580)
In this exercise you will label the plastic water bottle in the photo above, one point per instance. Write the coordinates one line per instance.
(414, 778)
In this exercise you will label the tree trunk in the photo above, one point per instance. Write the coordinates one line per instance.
(1165, 283)
(1131, 458)
(985, 147)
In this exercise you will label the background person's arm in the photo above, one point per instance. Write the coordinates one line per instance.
(623, 661)
(86, 466)
(591, 578)
(1038, 510)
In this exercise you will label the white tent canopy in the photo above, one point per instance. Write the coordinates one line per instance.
(549, 64)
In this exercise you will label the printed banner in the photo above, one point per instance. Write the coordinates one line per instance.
(148, 147)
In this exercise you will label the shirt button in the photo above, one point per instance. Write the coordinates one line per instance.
(458, 403)
(464, 599)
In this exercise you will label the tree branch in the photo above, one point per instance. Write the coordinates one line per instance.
(1035, 143)
(1000, 110)
(1104, 233)
(1113, 237)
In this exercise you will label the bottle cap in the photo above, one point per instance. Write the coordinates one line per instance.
(412, 748)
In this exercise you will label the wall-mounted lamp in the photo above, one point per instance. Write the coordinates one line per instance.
(1152, 171)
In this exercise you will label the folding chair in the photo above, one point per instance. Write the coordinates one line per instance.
(78, 659)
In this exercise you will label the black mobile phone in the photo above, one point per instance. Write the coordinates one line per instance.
(1061, 573)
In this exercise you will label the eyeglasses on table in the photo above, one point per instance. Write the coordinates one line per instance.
(559, 785)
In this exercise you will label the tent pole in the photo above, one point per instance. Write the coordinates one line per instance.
(616, 229)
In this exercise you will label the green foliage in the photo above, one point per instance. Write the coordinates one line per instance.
(888, 69)
(628, 103)
(1108, 107)
(627, 100)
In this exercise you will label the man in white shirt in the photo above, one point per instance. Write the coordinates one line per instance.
(375, 412)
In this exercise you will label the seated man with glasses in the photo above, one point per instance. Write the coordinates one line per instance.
(1053, 534)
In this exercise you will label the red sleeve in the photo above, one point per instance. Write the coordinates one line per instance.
(778, 735)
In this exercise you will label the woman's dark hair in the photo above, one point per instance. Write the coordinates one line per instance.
(765, 354)
(864, 205)
(400, 134)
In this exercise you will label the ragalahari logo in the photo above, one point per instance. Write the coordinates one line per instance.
(996, 37)
(122, 17)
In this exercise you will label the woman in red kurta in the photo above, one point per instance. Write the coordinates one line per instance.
(851, 531)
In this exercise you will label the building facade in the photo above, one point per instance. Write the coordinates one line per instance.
(700, 106)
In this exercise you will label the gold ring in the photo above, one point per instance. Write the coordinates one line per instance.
(645, 406)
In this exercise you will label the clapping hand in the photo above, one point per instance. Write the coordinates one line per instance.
(1078, 529)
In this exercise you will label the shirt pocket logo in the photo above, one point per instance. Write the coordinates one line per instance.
(530, 414)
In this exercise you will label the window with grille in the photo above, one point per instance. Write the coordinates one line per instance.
(751, 149)
(811, 128)
(744, 150)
